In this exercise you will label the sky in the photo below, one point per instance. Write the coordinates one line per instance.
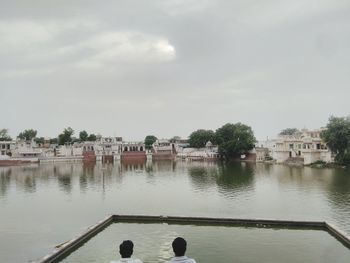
(168, 67)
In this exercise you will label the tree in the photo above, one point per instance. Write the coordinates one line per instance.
(199, 138)
(66, 136)
(91, 138)
(40, 140)
(54, 141)
(289, 131)
(175, 139)
(337, 138)
(149, 140)
(4, 136)
(234, 139)
(83, 136)
(27, 135)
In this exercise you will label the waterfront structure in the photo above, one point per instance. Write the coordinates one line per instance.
(6, 148)
(133, 151)
(17, 152)
(163, 150)
(108, 149)
(262, 154)
(209, 152)
(304, 147)
(26, 149)
(69, 150)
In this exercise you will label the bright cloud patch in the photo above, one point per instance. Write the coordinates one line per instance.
(126, 47)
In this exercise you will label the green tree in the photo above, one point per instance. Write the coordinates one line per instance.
(40, 140)
(149, 140)
(234, 139)
(91, 138)
(83, 136)
(289, 131)
(337, 138)
(27, 135)
(174, 139)
(54, 141)
(199, 138)
(66, 136)
(4, 136)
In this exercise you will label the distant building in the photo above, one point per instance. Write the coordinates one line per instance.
(163, 150)
(26, 149)
(209, 152)
(6, 147)
(133, 151)
(305, 146)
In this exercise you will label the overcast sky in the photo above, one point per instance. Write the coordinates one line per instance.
(168, 67)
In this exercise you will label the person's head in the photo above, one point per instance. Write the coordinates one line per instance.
(126, 248)
(179, 246)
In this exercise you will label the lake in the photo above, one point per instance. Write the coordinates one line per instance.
(44, 205)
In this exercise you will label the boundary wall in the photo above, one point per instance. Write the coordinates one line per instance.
(63, 250)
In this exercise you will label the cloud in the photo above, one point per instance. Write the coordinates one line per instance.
(30, 46)
(276, 13)
(185, 7)
(116, 47)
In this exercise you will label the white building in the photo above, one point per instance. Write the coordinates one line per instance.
(26, 149)
(305, 146)
(209, 152)
(6, 147)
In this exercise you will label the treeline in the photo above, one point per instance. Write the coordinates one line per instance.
(63, 138)
(232, 139)
(337, 138)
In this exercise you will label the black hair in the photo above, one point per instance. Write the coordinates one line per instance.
(179, 246)
(126, 248)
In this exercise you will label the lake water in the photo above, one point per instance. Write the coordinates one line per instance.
(42, 206)
(214, 244)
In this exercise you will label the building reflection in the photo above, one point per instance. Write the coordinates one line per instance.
(5, 180)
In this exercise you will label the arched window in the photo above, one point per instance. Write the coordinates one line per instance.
(141, 148)
(125, 149)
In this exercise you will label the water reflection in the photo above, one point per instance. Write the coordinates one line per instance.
(227, 177)
(163, 187)
(339, 194)
(5, 179)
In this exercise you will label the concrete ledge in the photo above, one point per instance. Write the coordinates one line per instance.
(338, 234)
(222, 221)
(68, 247)
(61, 159)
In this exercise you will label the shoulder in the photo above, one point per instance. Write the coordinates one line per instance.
(191, 260)
(137, 261)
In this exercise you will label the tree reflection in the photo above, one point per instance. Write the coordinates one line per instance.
(65, 182)
(5, 179)
(236, 175)
(339, 194)
(227, 177)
